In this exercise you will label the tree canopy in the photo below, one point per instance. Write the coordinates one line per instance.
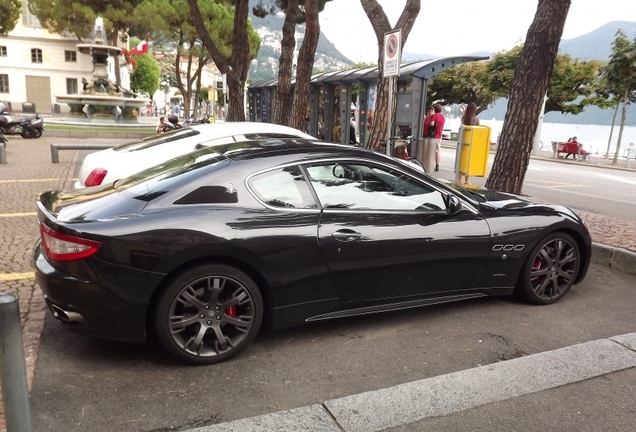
(145, 78)
(620, 77)
(9, 16)
(573, 83)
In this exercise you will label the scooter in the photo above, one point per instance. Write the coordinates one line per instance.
(26, 128)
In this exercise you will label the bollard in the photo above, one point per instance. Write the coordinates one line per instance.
(15, 393)
(3, 152)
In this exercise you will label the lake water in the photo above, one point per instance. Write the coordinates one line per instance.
(593, 137)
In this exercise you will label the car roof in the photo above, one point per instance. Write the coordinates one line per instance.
(233, 128)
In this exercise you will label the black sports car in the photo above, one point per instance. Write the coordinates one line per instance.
(205, 248)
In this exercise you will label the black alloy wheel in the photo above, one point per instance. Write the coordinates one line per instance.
(209, 314)
(26, 134)
(37, 133)
(551, 269)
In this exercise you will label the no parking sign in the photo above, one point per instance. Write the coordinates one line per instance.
(392, 54)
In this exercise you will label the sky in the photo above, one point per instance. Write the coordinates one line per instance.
(459, 27)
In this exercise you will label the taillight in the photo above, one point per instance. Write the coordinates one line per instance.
(63, 247)
(96, 177)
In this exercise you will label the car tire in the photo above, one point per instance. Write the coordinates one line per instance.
(550, 270)
(208, 314)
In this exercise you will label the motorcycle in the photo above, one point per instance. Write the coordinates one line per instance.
(26, 128)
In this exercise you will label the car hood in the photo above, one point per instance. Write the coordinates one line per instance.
(492, 200)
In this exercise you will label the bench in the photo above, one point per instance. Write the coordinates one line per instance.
(56, 147)
(569, 148)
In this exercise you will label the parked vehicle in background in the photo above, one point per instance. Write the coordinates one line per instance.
(107, 166)
(204, 248)
(25, 127)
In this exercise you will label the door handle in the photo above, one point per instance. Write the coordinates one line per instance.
(346, 235)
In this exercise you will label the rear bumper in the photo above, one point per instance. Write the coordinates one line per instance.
(87, 307)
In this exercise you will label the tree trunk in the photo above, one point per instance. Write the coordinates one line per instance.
(283, 100)
(620, 130)
(609, 141)
(239, 63)
(305, 64)
(527, 91)
(236, 68)
(381, 25)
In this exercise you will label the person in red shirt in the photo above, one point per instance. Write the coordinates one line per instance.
(438, 120)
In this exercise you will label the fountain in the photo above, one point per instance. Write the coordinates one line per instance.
(102, 97)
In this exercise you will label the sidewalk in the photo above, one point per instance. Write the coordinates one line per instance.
(29, 171)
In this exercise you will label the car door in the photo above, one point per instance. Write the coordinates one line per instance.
(385, 234)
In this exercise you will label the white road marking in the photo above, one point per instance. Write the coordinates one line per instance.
(617, 178)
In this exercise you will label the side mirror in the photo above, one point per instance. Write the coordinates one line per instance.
(454, 205)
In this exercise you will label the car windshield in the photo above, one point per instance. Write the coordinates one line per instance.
(155, 140)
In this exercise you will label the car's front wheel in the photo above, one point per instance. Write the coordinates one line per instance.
(550, 270)
(209, 314)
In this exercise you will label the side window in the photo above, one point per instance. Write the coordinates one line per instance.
(360, 186)
(285, 187)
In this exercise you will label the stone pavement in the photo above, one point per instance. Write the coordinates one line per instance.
(29, 171)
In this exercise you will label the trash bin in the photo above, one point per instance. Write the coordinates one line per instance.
(473, 148)
(28, 107)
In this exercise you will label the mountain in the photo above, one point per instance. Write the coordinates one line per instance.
(596, 45)
(265, 66)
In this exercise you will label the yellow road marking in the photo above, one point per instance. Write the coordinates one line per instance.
(18, 214)
(16, 276)
(29, 180)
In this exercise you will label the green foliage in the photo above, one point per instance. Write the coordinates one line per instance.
(10, 16)
(145, 79)
(572, 86)
(620, 74)
(263, 8)
(203, 94)
(361, 65)
(72, 16)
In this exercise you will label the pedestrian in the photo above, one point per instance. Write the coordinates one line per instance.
(352, 130)
(336, 132)
(307, 125)
(469, 119)
(439, 121)
(160, 125)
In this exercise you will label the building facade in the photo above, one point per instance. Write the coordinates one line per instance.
(36, 66)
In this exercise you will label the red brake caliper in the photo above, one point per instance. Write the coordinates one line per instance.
(536, 265)
(231, 311)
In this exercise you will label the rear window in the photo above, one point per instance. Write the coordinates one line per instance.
(155, 140)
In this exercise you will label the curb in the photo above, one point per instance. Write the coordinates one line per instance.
(451, 393)
(614, 257)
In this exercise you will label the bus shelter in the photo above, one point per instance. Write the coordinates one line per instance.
(331, 97)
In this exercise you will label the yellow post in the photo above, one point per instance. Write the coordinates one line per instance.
(474, 147)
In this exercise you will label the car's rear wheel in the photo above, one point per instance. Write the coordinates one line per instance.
(550, 270)
(209, 314)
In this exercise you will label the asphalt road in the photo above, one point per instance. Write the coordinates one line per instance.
(578, 186)
(87, 384)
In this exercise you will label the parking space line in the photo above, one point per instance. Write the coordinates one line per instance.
(16, 276)
(29, 180)
(18, 214)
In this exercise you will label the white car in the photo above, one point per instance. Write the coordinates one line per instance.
(110, 165)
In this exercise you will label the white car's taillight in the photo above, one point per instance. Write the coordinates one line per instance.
(63, 247)
(96, 177)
